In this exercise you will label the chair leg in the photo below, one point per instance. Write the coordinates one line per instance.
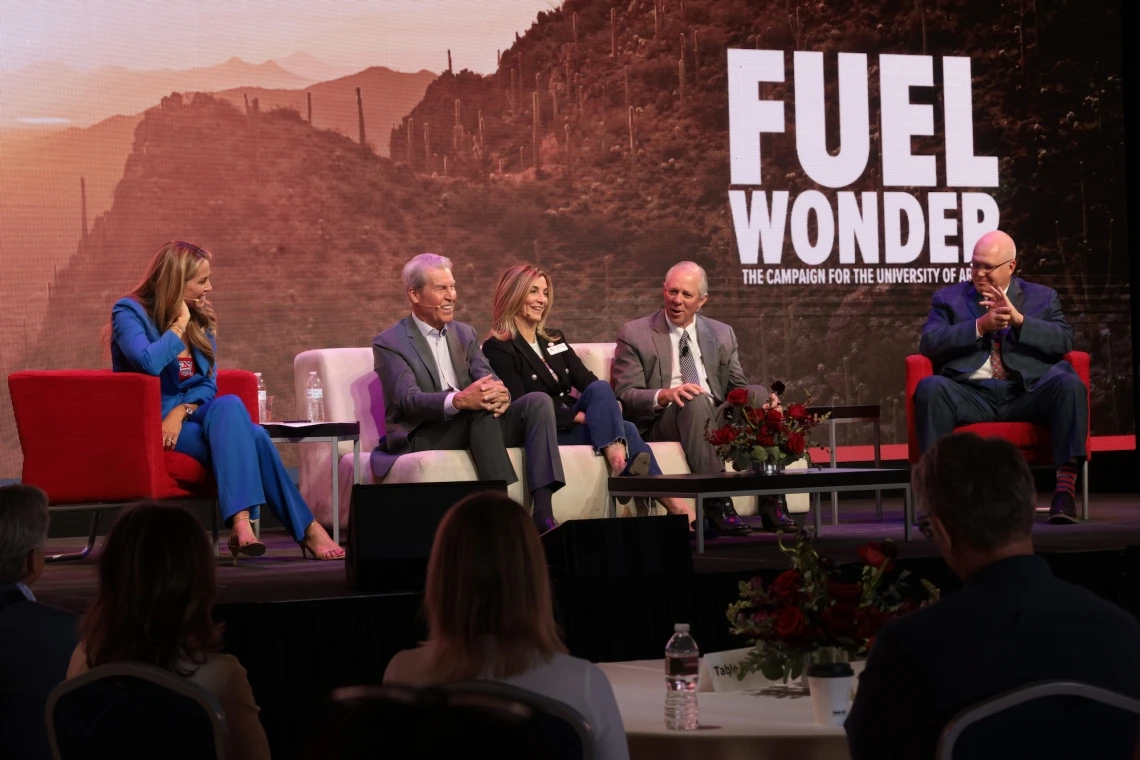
(86, 549)
(214, 529)
(1085, 490)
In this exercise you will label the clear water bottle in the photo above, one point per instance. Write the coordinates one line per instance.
(315, 398)
(682, 665)
(261, 398)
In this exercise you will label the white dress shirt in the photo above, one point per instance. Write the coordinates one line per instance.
(675, 341)
(437, 342)
(986, 371)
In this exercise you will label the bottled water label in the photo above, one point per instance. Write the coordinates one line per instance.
(317, 394)
(682, 666)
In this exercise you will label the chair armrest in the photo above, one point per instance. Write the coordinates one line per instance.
(1080, 361)
(917, 367)
(89, 435)
(240, 383)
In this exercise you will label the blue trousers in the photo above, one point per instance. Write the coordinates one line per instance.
(604, 425)
(246, 466)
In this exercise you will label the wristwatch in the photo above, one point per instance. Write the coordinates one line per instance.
(188, 409)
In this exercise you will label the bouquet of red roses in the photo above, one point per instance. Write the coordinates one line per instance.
(757, 433)
(809, 607)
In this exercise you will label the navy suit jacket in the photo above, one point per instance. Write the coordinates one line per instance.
(1034, 351)
(520, 369)
(36, 642)
(138, 346)
(409, 377)
(1013, 624)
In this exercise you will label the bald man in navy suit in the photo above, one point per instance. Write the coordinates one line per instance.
(997, 344)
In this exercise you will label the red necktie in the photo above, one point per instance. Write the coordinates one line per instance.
(999, 370)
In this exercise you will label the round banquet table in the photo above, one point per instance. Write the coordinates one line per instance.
(772, 722)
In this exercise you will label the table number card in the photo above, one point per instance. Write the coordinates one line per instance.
(719, 670)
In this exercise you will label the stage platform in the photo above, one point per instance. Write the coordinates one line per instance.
(301, 631)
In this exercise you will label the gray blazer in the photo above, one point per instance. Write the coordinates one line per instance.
(643, 362)
(409, 376)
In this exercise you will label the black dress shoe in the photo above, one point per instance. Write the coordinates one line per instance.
(710, 531)
(724, 519)
(545, 524)
(774, 515)
(1063, 510)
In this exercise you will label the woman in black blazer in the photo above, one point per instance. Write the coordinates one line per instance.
(528, 357)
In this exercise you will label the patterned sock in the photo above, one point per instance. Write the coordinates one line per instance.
(1067, 479)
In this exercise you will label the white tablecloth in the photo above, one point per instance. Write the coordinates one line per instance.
(774, 722)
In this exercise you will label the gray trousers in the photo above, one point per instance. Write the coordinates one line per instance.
(528, 421)
(688, 424)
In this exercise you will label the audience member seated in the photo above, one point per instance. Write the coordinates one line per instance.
(154, 605)
(530, 357)
(35, 640)
(1012, 624)
(997, 344)
(673, 371)
(441, 394)
(490, 615)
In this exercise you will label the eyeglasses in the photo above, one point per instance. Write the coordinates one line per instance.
(924, 528)
(978, 266)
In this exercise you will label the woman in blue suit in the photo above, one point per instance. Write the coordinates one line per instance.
(166, 327)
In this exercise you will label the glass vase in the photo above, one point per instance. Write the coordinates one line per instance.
(821, 655)
(767, 467)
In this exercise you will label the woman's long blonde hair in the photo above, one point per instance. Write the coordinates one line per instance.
(487, 599)
(160, 293)
(510, 295)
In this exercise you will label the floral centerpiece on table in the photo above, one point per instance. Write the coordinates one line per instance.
(755, 433)
(809, 608)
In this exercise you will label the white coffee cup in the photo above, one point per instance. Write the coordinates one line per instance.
(830, 686)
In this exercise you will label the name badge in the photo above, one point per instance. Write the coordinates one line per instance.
(719, 670)
(556, 348)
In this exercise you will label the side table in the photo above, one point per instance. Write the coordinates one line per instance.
(302, 431)
(843, 415)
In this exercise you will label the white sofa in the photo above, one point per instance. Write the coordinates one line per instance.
(352, 392)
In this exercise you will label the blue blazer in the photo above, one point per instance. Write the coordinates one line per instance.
(137, 346)
(1034, 351)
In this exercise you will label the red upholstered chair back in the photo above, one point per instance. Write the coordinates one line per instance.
(1033, 440)
(96, 436)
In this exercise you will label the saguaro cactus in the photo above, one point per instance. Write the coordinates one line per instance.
(535, 125)
(411, 123)
(449, 71)
(632, 149)
(613, 34)
(83, 204)
(360, 115)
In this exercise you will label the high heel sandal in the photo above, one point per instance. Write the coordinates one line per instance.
(328, 555)
(252, 549)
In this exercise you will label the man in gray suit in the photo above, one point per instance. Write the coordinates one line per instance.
(673, 371)
(440, 393)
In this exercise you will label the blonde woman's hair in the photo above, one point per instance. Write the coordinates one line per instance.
(510, 295)
(487, 600)
(160, 294)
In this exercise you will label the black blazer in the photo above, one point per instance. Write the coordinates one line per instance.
(520, 369)
(36, 642)
(1012, 624)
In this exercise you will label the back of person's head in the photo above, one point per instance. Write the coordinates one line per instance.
(23, 533)
(979, 489)
(487, 600)
(156, 592)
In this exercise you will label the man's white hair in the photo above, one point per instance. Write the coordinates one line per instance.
(703, 286)
(415, 274)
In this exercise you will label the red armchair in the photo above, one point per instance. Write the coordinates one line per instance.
(92, 439)
(1033, 440)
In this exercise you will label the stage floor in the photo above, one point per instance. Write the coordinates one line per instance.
(282, 575)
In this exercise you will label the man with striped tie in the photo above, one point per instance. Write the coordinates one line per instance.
(673, 371)
(997, 344)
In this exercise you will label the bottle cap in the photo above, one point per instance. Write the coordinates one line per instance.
(681, 628)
